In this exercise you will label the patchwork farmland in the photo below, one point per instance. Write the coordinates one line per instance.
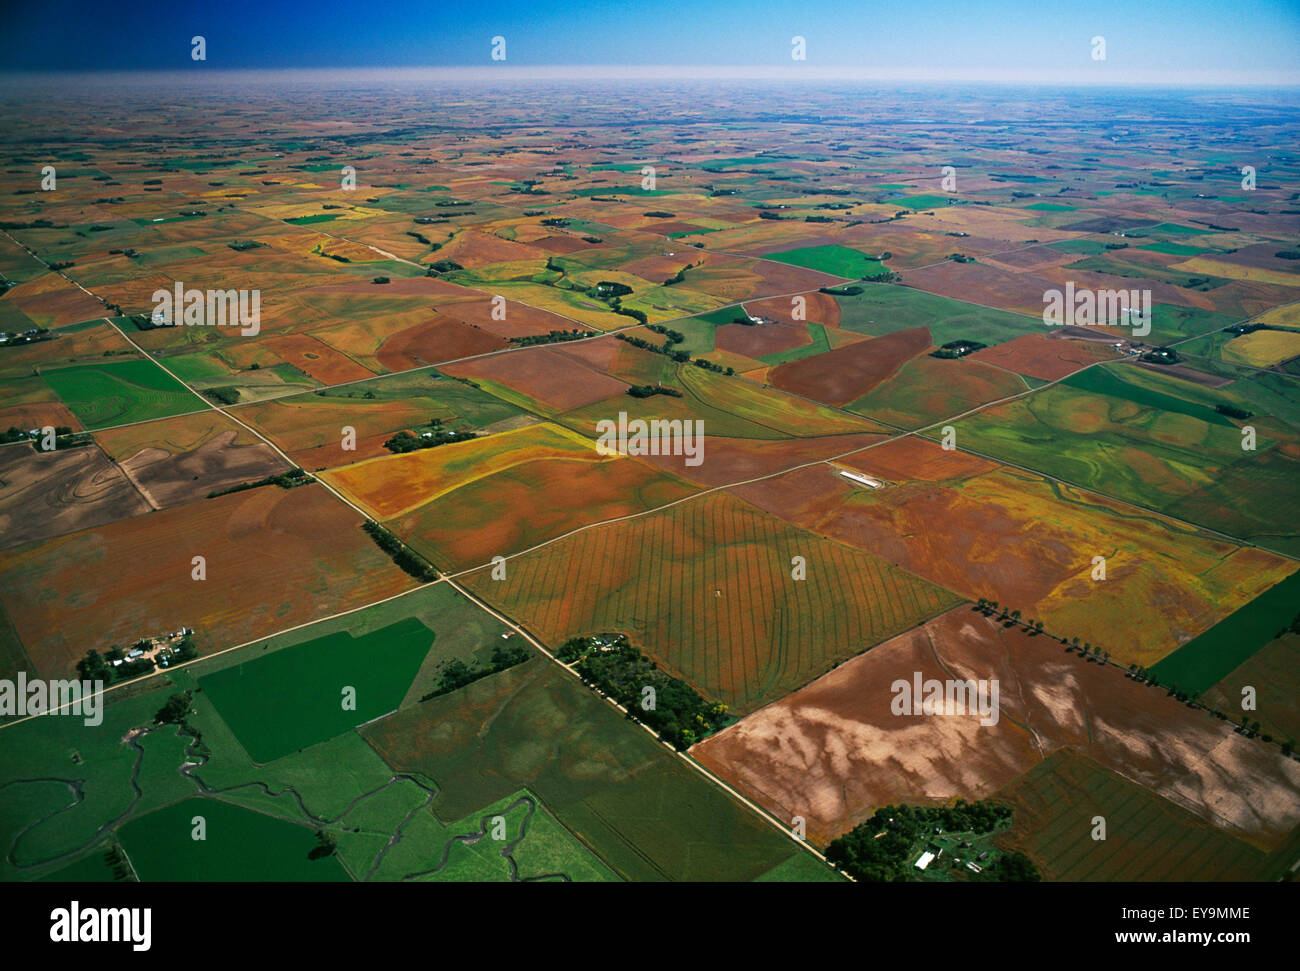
(648, 480)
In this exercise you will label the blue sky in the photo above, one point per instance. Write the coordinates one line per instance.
(1197, 41)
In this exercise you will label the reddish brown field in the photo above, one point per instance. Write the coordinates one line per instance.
(318, 360)
(819, 308)
(1044, 357)
(987, 285)
(1029, 543)
(275, 558)
(911, 457)
(554, 380)
(728, 460)
(51, 301)
(38, 414)
(441, 339)
(472, 248)
(834, 752)
(521, 319)
(530, 503)
(842, 375)
(761, 339)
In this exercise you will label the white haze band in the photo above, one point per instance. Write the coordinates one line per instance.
(655, 437)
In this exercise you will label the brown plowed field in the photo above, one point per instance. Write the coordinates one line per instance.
(46, 494)
(441, 339)
(1040, 356)
(847, 373)
(275, 558)
(318, 360)
(539, 373)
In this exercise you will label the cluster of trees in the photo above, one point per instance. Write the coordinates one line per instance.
(286, 480)
(882, 848)
(550, 337)
(666, 348)
(845, 291)
(410, 562)
(669, 350)
(456, 674)
(1232, 411)
(954, 349)
(404, 441)
(708, 365)
(961, 258)
(669, 706)
(224, 395)
(680, 275)
(175, 709)
(650, 390)
(116, 860)
(443, 266)
(673, 336)
(1161, 355)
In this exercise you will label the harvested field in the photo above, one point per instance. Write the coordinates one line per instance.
(1040, 356)
(46, 494)
(441, 339)
(310, 427)
(539, 378)
(317, 360)
(847, 373)
(180, 459)
(706, 588)
(114, 584)
(1029, 543)
(834, 752)
(729, 460)
(505, 512)
(929, 389)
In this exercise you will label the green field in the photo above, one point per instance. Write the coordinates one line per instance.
(818, 345)
(1147, 837)
(923, 201)
(240, 845)
(643, 812)
(1204, 661)
(293, 698)
(120, 392)
(321, 217)
(1103, 380)
(1153, 440)
(883, 309)
(836, 260)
